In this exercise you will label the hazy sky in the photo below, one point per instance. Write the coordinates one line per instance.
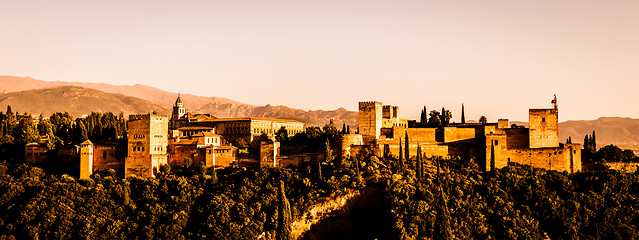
(497, 57)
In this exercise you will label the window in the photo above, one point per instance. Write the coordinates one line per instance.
(543, 119)
(104, 155)
(496, 142)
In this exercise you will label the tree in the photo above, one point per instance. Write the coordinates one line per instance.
(434, 119)
(423, 118)
(445, 117)
(463, 116)
(420, 165)
(348, 129)
(406, 150)
(343, 128)
(594, 141)
(569, 140)
(442, 223)
(483, 120)
(281, 135)
(284, 216)
(609, 153)
(401, 157)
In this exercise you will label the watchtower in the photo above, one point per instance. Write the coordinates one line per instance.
(147, 144)
(86, 159)
(544, 127)
(370, 118)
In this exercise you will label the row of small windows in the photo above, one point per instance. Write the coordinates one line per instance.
(137, 149)
(138, 136)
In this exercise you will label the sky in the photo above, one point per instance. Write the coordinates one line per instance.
(497, 57)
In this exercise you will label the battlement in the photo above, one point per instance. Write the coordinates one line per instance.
(135, 117)
(369, 104)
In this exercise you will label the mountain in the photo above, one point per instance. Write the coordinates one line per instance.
(217, 106)
(47, 97)
(75, 100)
(623, 132)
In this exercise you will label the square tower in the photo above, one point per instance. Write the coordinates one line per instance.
(147, 143)
(86, 159)
(370, 119)
(544, 128)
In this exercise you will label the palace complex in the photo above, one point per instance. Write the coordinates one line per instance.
(204, 140)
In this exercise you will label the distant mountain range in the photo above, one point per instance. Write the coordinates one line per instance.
(22, 94)
(41, 97)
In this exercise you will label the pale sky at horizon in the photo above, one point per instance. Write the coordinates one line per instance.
(498, 57)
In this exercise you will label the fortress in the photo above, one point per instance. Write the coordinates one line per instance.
(491, 145)
(208, 141)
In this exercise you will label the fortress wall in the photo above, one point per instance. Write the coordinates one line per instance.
(499, 142)
(453, 134)
(517, 137)
(345, 141)
(105, 157)
(557, 158)
(421, 135)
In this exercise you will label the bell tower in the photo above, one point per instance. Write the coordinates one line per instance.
(178, 112)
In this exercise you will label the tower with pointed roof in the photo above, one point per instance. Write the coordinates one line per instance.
(178, 112)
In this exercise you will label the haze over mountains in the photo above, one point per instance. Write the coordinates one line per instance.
(78, 98)
(154, 98)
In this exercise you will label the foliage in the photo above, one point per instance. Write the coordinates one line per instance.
(178, 204)
(515, 202)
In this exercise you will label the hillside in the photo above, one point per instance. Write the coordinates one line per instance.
(623, 132)
(75, 100)
(217, 106)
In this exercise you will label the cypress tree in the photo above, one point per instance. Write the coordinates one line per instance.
(442, 223)
(423, 119)
(284, 216)
(401, 157)
(348, 129)
(406, 150)
(594, 142)
(419, 166)
(463, 116)
(356, 161)
(343, 128)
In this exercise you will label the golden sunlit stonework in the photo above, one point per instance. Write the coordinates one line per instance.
(490, 144)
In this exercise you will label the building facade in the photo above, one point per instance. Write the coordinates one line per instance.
(147, 144)
(491, 145)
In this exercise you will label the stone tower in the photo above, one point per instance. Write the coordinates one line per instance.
(178, 112)
(544, 128)
(147, 144)
(86, 159)
(370, 119)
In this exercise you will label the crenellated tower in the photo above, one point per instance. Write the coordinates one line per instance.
(370, 118)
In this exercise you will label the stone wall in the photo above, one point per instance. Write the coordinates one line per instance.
(107, 156)
(496, 143)
(623, 166)
(453, 134)
(269, 151)
(544, 128)
(558, 158)
(345, 141)
(502, 123)
(421, 135)
(517, 137)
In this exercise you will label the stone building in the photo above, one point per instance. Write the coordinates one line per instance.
(147, 144)
(234, 130)
(101, 156)
(491, 145)
(35, 152)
